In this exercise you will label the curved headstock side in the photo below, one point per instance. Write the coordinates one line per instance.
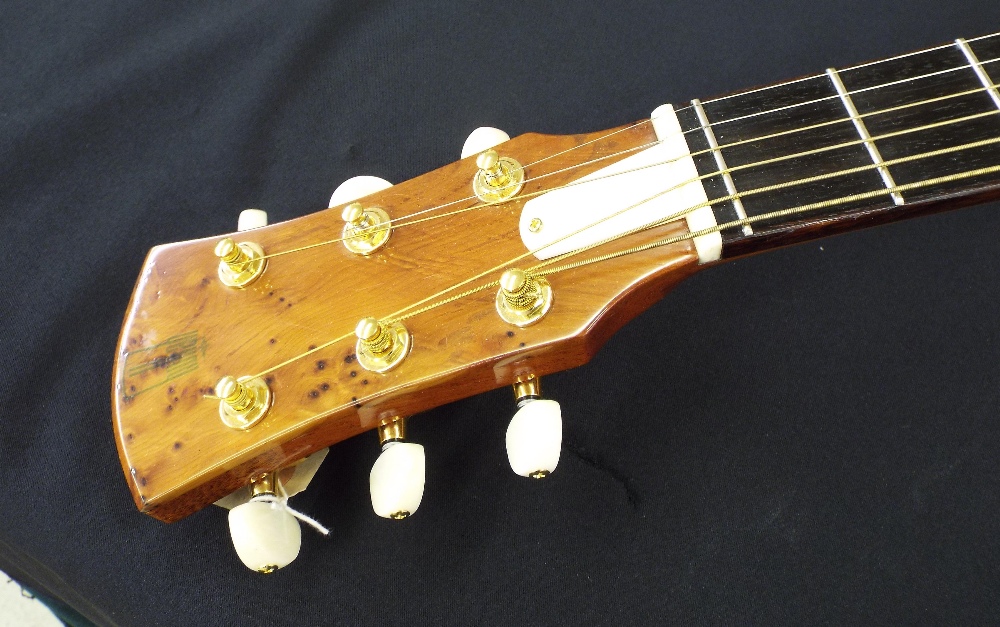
(184, 329)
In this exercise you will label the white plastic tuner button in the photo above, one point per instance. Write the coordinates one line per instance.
(534, 438)
(397, 480)
(357, 187)
(265, 535)
(251, 219)
(483, 138)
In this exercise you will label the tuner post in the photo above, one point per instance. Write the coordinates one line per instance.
(523, 298)
(239, 264)
(498, 178)
(380, 347)
(243, 402)
(365, 230)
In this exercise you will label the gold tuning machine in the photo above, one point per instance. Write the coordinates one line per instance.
(523, 298)
(381, 348)
(243, 402)
(240, 264)
(498, 178)
(365, 230)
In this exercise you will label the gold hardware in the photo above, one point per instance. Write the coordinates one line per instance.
(539, 474)
(535, 225)
(244, 401)
(523, 298)
(266, 483)
(498, 178)
(240, 263)
(381, 348)
(365, 230)
(393, 430)
(527, 387)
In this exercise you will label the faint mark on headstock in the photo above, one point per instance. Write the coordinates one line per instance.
(151, 367)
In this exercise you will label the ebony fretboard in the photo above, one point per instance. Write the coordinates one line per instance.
(885, 102)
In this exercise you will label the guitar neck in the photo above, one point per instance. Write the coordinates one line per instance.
(851, 148)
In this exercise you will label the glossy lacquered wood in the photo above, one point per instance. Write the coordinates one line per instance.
(184, 329)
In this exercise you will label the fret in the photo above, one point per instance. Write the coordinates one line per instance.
(806, 103)
(986, 48)
(857, 130)
(859, 125)
(720, 162)
(715, 186)
(952, 74)
(979, 70)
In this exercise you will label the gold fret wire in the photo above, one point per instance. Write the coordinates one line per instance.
(399, 316)
(651, 165)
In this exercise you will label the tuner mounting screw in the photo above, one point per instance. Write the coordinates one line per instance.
(365, 230)
(381, 348)
(243, 402)
(498, 178)
(240, 264)
(523, 298)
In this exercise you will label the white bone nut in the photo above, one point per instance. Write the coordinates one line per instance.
(251, 219)
(534, 438)
(265, 535)
(483, 138)
(397, 480)
(357, 187)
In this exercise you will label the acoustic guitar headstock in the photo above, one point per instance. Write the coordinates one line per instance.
(241, 355)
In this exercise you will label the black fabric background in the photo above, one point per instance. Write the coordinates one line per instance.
(807, 436)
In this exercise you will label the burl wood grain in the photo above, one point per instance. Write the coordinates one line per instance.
(184, 329)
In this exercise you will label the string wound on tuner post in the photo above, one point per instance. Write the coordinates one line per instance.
(524, 298)
(381, 347)
(365, 230)
(239, 264)
(498, 178)
(243, 402)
